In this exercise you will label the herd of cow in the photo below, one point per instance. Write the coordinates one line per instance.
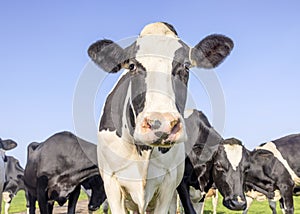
(149, 145)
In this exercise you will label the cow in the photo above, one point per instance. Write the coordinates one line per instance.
(141, 130)
(14, 181)
(275, 165)
(5, 145)
(55, 170)
(212, 159)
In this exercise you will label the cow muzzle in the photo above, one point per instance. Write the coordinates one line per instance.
(235, 203)
(160, 129)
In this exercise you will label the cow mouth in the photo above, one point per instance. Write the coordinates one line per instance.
(167, 139)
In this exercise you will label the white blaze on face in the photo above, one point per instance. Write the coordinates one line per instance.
(234, 154)
(157, 46)
(270, 146)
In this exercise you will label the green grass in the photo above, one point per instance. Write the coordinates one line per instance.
(255, 208)
(19, 205)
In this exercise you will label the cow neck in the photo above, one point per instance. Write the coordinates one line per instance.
(112, 116)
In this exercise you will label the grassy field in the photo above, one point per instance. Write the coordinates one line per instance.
(19, 205)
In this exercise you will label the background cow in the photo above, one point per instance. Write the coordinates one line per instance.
(4, 146)
(14, 181)
(276, 166)
(212, 160)
(140, 150)
(57, 167)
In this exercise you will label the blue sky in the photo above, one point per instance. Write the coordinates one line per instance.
(43, 52)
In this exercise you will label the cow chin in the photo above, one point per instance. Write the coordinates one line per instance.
(160, 140)
(235, 204)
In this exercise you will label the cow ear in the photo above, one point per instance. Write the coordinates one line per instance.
(211, 51)
(107, 55)
(8, 144)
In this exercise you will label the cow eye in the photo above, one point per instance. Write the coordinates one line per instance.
(132, 67)
(219, 166)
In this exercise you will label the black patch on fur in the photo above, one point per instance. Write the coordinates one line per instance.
(232, 141)
(170, 27)
(113, 110)
(163, 150)
(141, 148)
(180, 76)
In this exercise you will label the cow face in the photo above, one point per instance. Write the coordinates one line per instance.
(149, 99)
(230, 162)
(14, 176)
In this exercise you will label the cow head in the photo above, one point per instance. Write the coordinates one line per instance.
(150, 97)
(14, 176)
(230, 163)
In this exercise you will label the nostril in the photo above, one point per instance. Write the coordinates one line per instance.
(155, 124)
(151, 124)
(175, 126)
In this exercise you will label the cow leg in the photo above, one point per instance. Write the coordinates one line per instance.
(50, 207)
(173, 205)
(249, 201)
(27, 201)
(215, 202)
(105, 207)
(286, 192)
(272, 205)
(42, 183)
(163, 202)
(6, 207)
(32, 199)
(200, 207)
(73, 200)
(184, 195)
(114, 195)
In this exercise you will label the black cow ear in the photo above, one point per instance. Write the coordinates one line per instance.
(8, 144)
(107, 54)
(211, 51)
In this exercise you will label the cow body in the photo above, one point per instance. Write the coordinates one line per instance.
(4, 146)
(141, 131)
(14, 181)
(276, 166)
(55, 170)
(211, 159)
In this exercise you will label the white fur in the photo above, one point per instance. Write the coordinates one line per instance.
(234, 154)
(133, 180)
(156, 55)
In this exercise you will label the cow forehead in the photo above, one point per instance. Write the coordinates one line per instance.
(234, 153)
(158, 28)
(156, 48)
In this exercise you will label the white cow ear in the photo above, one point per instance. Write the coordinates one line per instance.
(8, 144)
(211, 51)
(107, 55)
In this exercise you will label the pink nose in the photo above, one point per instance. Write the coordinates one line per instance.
(165, 123)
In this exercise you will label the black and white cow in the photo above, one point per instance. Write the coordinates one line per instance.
(141, 130)
(55, 170)
(276, 166)
(211, 159)
(5, 145)
(14, 181)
